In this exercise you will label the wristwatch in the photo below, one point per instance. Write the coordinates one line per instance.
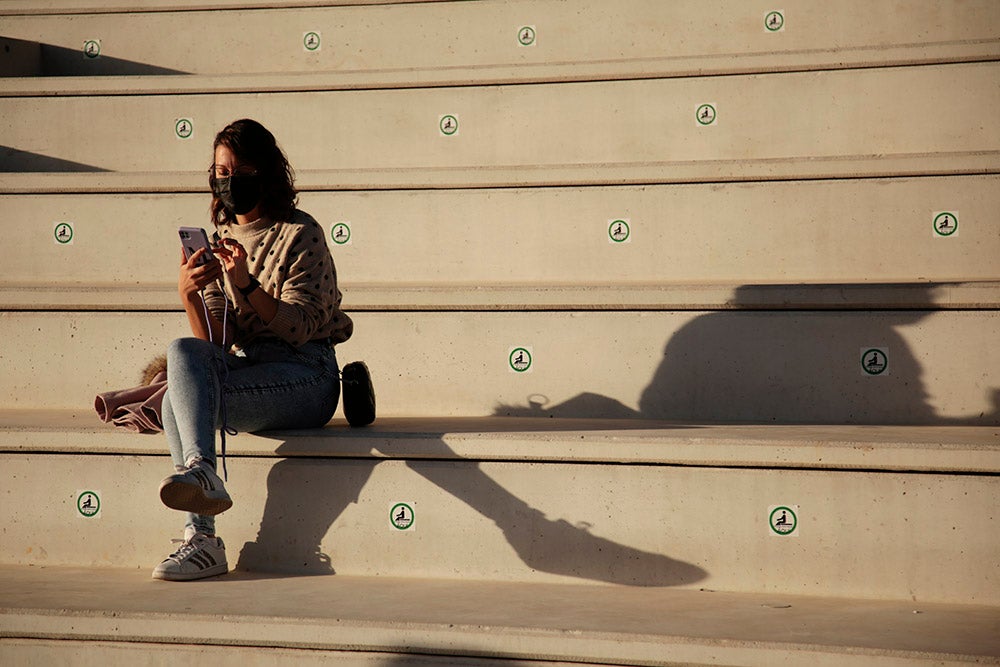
(249, 289)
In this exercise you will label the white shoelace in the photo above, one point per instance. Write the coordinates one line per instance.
(186, 549)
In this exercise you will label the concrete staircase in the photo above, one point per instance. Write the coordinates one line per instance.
(681, 316)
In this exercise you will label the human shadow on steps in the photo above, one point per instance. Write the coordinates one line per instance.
(306, 496)
(789, 354)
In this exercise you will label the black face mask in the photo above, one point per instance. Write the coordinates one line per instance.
(239, 193)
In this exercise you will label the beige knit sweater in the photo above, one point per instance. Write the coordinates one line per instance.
(293, 264)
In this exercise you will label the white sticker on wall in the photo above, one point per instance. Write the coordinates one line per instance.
(520, 359)
(340, 233)
(527, 36)
(783, 520)
(183, 128)
(88, 504)
(448, 124)
(945, 224)
(312, 41)
(875, 361)
(62, 233)
(92, 49)
(706, 114)
(619, 230)
(774, 21)
(402, 517)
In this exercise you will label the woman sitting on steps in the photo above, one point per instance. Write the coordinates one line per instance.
(265, 314)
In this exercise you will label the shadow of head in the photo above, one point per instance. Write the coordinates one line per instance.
(795, 354)
(798, 355)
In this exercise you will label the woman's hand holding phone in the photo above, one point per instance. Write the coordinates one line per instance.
(199, 267)
(195, 276)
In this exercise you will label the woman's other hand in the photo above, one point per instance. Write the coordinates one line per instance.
(234, 262)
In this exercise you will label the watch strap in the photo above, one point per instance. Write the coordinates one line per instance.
(251, 286)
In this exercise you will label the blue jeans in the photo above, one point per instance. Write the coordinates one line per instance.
(271, 385)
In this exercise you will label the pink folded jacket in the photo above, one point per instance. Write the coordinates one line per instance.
(137, 409)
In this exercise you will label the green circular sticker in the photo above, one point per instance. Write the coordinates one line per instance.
(783, 520)
(183, 128)
(401, 516)
(311, 41)
(448, 125)
(945, 223)
(92, 48)
(526, 35)
(519, 359)
(88, 503)
(619, 231)
(706, 114)
(874, 361)
(340, 233)
(63, 233)
(774, 21)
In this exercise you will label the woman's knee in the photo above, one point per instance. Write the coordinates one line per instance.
(182, 350)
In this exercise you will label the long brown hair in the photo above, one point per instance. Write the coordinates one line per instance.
(254, 145)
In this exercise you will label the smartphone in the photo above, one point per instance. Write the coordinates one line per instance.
(193, 238)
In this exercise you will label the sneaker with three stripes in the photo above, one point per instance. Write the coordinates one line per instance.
(199, 556)
(196, 488)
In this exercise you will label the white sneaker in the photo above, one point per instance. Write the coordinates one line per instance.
(196, 489)
(198, 557)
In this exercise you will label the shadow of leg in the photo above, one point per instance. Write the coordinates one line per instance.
(304, 498)
(556, 547)
(559, 547)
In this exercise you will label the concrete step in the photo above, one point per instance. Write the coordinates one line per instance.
(408, 297)
(94, 616)
(875, 511)
(930, 449)
(936, 367)
(431, 43)
(46, 175)
(858, 118)
(58, 7)
(502, 248)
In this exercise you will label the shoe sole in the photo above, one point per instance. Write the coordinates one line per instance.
(192, 498)
(213, 571)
